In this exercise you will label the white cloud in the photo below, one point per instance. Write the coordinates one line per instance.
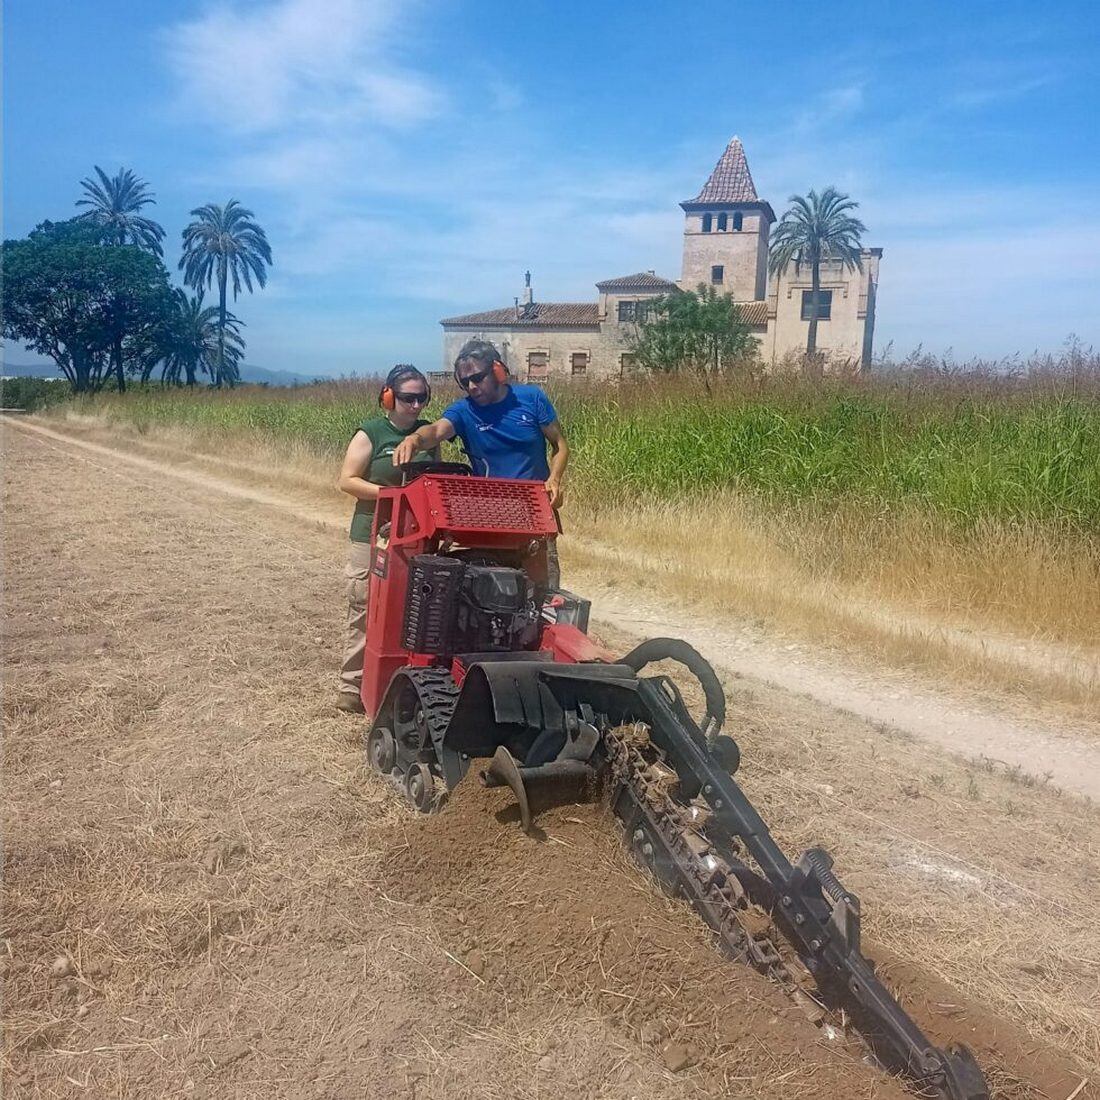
(985, 94)
(831, 106)
(264, 68)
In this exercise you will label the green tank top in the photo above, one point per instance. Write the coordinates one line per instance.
(384, 437)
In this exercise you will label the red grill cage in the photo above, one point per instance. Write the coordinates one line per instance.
(491, 505)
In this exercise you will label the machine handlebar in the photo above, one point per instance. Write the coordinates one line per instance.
(410, 471)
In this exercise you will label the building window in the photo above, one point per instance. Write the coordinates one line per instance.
(579, 362)
(717, 274)
(706, 223)
(628, 361)
(721, 223)
(824, 304)
(626, 312)
(738, 221)
(538, 365)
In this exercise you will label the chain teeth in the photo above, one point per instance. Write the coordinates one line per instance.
(716, 883)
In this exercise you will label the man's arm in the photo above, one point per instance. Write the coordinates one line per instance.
(423, 439)
(559, 459)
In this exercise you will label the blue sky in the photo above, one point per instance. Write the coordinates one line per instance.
(410, 160)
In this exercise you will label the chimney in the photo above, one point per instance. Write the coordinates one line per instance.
(528, 298)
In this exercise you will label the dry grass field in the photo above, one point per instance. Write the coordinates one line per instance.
(207, 894)
(1008, 601)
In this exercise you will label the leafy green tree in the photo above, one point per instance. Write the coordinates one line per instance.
(224, 241)
(70, 296)
(814, 229)
(190, 343)
(698, 330)
(115, 203)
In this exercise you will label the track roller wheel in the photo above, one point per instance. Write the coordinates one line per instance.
(382, 750)
(420, 787)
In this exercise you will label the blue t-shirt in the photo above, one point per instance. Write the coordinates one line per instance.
(505, 439)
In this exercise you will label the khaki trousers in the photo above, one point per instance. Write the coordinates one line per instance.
(357, 589)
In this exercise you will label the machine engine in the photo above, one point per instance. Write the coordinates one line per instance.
(456, 607)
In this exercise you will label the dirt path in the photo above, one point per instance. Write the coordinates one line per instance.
(1050, 749)
(248, 913)
(1045, 746)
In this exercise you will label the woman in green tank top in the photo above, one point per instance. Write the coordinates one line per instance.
(368, 467)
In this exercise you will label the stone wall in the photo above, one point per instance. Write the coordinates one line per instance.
(742, 253)
(848, 334)
(604, 345)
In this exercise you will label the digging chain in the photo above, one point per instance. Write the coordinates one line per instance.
(705, 875)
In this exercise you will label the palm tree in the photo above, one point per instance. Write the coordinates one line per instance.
(191, 343)
(816, 228)
(115, 203)
(224, 240)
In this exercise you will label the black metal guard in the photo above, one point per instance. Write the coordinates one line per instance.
(819, 916)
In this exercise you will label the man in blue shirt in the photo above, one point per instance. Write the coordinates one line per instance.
(504, 427)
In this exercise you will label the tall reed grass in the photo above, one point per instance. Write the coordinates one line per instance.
(968, 447)
(972, 494)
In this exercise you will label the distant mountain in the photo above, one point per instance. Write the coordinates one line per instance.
(249, 373)
(29, 370)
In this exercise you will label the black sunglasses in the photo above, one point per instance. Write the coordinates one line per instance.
(477, 376)
(420, 398)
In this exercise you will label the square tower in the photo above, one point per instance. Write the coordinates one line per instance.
(726, 229)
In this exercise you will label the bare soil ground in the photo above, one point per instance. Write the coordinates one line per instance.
(236, 907)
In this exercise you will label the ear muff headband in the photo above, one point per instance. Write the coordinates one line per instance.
(500, 372)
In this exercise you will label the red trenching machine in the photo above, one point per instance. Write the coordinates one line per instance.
(471, 655)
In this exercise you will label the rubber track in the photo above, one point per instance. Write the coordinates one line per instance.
(438, 694)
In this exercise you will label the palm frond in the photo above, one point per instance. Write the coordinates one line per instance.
(817, 227)
(115, 203)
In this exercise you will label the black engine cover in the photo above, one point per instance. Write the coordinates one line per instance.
(454, 607)
(497, 610)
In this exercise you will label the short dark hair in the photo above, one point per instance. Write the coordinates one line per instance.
(478, 351)
(402, 372)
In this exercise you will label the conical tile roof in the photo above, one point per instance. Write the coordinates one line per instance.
(731, 180)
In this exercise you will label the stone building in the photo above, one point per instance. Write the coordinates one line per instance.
(725, 245)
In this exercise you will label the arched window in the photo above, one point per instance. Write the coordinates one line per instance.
(721, 223)
(706, 223)
(738, 220)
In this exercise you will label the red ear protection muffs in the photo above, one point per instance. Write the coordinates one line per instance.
(388, 399)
